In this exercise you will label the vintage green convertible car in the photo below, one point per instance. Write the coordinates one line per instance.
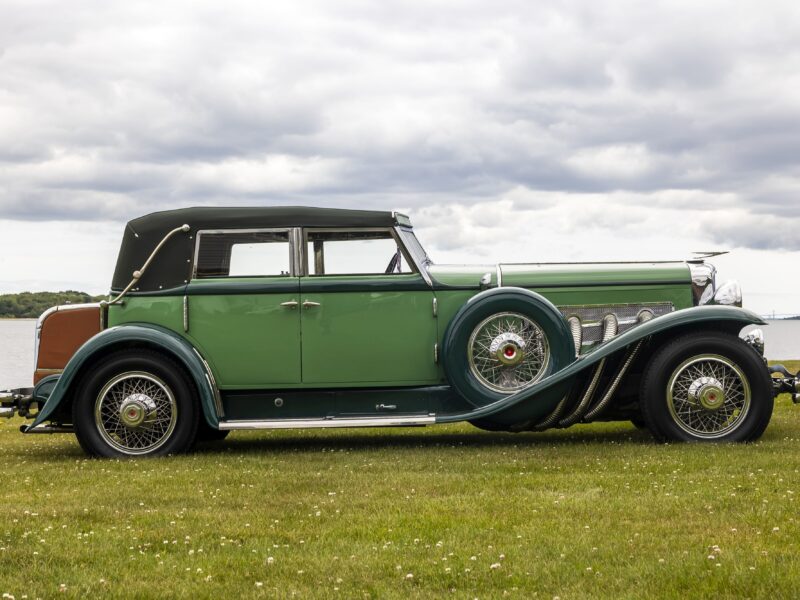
(272, 318)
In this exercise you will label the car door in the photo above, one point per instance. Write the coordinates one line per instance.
(367, 317)
(242, 308)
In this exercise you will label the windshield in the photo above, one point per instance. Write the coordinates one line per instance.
(414, 247)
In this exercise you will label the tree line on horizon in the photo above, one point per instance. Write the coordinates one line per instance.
(29, 305)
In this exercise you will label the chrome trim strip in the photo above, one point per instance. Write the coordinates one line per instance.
(47, 429)
(212, 383)
(328, 423)
(616, 304)
(137, 275)
(422, 269)
(298, 268)
(44, 371)
(293, 264)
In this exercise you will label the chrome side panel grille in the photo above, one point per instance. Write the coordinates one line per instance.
(591, 317)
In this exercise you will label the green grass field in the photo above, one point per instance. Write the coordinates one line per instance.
(593, 511)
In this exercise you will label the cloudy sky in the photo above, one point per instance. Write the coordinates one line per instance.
(553, 130)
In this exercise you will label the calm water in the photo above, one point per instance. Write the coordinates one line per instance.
(16, 348)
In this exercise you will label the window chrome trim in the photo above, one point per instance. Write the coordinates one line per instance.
(422, 269)
(290, 231)
(212, 383)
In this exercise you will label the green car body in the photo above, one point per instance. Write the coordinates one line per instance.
(408, 346)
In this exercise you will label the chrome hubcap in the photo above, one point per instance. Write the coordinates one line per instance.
(507, 352)
(508, 348)
(708, 392)
(708, 396)
(135, 413)
(137, 410)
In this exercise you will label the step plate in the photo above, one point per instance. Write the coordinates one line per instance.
(414, 421)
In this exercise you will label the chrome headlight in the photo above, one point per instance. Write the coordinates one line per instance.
(755, 339)
(729, 293)
(703, 282)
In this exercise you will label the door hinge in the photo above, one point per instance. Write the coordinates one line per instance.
(186, 313)
(435, 308)
(436, 353)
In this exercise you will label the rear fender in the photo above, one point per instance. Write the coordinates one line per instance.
(726, 317)
(140, 335)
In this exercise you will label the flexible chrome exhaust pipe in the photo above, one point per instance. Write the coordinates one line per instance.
(644, 316)
(576, 329)
(610, 328)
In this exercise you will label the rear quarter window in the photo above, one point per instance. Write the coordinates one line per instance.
(243, 254)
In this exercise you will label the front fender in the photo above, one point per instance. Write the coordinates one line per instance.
(145, 335)
(699, 315)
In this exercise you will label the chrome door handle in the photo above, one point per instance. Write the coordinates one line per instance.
(290, 304)
(309, 304)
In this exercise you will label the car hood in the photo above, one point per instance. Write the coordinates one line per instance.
(547, 275)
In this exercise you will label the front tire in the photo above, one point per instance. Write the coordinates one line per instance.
(706, 386)
(135, 403)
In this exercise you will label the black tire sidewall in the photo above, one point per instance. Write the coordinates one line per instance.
(127, 361)
(653, 399)
(206, 433)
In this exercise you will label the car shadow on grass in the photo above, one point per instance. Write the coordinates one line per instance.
(303, 441)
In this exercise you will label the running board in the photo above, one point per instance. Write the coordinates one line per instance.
(415, 421)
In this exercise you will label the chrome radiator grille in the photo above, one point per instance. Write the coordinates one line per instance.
(591, 317)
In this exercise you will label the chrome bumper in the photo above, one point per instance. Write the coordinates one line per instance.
(17, 401)
(786, 383)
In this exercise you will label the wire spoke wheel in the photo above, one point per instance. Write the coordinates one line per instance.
(708, 396)
(507, 352)
(135, 413)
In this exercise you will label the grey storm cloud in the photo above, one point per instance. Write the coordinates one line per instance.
(112, 109)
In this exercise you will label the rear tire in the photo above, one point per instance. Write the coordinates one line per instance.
(135, 403)
(706, 386)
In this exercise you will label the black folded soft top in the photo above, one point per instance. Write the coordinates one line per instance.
(172, 266)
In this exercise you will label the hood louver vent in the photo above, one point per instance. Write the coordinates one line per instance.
(592, 318)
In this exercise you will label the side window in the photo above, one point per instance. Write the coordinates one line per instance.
(355, 252)
(243, 254)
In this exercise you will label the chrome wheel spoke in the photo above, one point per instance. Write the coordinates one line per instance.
(507, 352)
(708, 396)
(136, 413)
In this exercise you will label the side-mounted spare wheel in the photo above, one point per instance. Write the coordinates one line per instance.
(503, 341)
(135, 403)
(706, 386)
